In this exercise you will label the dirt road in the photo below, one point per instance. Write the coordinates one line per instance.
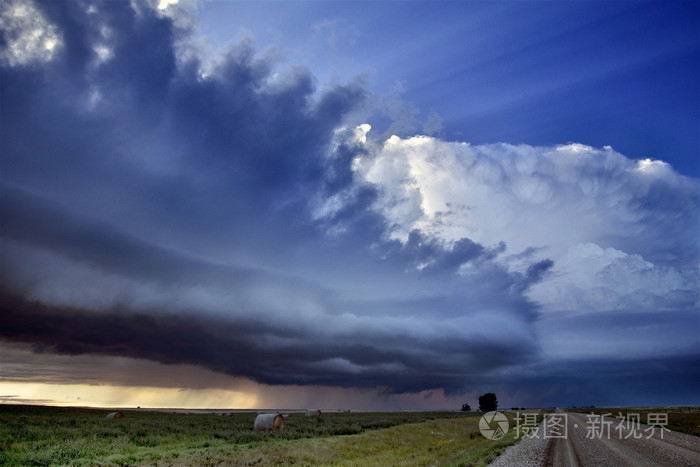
(572, 439)
(598, 441)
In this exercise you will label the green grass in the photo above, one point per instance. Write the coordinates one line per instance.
(33, 435)
(683, 419)
(438, 442)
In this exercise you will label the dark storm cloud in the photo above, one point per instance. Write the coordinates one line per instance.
(668, 380)
(136, 172)
(231, 142)
(430, 255)
(34, 220)
(533, 275)
(164, 204)
(402, 345)
(242, 347)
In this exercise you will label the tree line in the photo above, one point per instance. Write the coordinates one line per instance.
(487, 403)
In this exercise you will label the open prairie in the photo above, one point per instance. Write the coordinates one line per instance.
(32, 435)
(39, 435)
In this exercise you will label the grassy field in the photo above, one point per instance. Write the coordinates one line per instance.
(31, 435)
(683, 419)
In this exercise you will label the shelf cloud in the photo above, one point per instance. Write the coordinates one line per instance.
(226, 211)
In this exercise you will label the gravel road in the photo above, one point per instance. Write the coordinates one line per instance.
(529, 452)
(587, 440)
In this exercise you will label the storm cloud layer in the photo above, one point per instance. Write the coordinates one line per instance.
(225, 211)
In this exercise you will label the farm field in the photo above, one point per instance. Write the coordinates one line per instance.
(32, 435)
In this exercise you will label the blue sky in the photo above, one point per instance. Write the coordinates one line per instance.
(357, 205)
(622, 74)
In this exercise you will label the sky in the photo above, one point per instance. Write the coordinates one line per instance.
(366, 205)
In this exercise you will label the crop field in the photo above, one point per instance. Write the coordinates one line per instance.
(32, 435)
(683, 419)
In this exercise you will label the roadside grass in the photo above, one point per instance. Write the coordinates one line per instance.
(450, 442)
(33, 435)
(685, 419)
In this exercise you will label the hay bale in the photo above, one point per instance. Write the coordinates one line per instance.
(268, 422)
(115, 415)
(311, 413)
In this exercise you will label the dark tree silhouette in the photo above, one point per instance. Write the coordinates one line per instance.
(466, 408)
(488, 402)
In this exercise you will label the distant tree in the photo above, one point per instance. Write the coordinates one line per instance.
(466, 408)
(488, 402)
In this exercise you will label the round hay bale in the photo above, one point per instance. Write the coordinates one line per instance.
(115, 415)
(268, 422)
(311, 413)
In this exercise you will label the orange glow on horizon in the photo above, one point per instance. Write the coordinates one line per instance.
(84, 395)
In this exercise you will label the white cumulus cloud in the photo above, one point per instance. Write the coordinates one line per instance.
(621, 233)
(552, 197)
(29, 36)
(589, 278)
